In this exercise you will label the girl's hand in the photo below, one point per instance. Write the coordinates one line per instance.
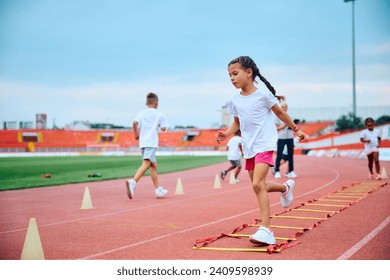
(301, 135)
(220, 136)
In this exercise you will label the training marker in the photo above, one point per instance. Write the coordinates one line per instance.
(179, 187)
(32, 248)
(384, 173)
(87, 202)
(232, 178)
(217, 183)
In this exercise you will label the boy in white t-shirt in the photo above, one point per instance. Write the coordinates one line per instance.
(234, 148)
(146, 126)
(372, 138)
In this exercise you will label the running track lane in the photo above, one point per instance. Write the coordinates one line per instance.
(150, 228)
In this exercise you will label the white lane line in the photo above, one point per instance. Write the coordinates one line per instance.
(365, 240)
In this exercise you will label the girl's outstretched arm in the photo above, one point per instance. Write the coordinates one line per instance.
(284, 117)
(222, 135)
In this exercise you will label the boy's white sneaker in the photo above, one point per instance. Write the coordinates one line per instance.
(263, 236)
(292, 175)
(277, 175)
(286, 197)
(130, 187)
(160, 192)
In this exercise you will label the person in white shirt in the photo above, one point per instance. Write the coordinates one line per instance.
(285, 140)
(253, 115)
(234, 148)
(371, 138)
(146, 126)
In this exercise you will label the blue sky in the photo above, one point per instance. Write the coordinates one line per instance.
(96, 60)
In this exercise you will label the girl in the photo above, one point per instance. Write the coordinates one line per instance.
(252, 112)
(372, 139)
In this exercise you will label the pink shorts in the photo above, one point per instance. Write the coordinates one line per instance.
(265, 157)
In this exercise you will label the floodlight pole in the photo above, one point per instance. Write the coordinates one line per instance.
(353, 59)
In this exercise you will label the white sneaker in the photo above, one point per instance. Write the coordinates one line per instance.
(277, 175)
(263, 236)
(287, 197)
(130, 187)
(238, 180)
(292, 175)
(160, 192)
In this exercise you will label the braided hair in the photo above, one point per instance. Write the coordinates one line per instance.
(246, 62)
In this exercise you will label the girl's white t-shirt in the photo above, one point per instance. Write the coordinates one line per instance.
(257, 123)
(373, 136)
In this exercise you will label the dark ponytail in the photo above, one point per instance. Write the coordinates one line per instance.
(246, 62)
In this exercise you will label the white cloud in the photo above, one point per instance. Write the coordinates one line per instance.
(371, 50)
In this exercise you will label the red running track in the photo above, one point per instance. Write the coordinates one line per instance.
(150, 228)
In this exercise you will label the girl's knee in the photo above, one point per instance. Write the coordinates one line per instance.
(258, 187)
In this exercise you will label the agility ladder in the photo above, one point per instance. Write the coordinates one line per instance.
(326, 207)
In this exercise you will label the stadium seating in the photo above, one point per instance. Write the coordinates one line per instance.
(99, 140)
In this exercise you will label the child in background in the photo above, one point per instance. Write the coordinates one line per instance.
(146, 126)
(253, 115)
(234, 148)
(371, 138)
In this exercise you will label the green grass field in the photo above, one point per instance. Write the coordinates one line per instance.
(20, 173)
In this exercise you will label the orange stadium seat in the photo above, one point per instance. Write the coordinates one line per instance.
(201, 138)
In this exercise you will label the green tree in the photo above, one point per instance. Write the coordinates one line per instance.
(383, 119)
(348, 122)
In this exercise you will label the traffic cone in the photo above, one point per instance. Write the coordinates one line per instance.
(217, 183)
(179, 187)
(384, 173)
(87, 202)
(32, 248)
(232, 178)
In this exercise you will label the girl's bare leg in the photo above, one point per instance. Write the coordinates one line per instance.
(376, 162)
(258, 176)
